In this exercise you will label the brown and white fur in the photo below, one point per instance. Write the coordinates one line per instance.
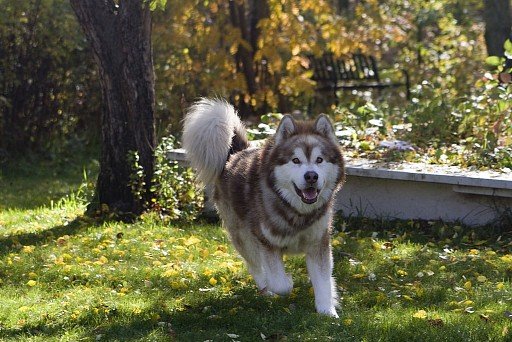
(273, 199)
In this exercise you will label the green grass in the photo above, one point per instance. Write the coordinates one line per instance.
(65, 277)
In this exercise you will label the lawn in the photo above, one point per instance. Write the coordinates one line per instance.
(66, 277)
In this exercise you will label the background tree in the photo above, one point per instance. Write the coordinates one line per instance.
(120, 37)
(49, 91)
(498, 25)
(245, 17)
(47, 82)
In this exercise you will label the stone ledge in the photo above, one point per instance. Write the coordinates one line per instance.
(419, 191)
(177, 154)
(463, 180)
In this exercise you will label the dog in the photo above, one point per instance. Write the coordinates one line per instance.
(274, 199)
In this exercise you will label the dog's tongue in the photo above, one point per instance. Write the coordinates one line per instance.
(309, 193)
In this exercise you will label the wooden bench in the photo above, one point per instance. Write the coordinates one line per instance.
(357, 71)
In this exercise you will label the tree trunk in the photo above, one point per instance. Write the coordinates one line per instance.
(120, 36)
(244, 55)
(16, 137)
(498, 24)
(258, 9)
(345, 7)
(245, 16)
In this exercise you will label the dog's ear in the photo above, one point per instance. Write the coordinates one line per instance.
(324, 126)
(286, 128)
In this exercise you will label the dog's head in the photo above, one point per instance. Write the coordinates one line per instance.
(307, 162)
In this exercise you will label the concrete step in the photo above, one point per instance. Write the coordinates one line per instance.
(420, 191)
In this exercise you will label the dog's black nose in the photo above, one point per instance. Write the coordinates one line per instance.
(311, 177)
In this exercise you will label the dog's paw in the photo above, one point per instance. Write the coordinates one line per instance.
(265, 292)
(282, 286)
(329, 311)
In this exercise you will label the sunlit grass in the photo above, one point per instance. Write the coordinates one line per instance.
(66, 277)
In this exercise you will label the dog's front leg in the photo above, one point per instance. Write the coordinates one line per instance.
(278, 281)
(320, 264)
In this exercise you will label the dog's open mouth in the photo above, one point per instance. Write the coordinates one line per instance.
(307, 195)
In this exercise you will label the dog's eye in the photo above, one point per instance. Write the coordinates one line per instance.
(319, 160)
(296, 160)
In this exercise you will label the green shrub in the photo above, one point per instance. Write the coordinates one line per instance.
(49, 89)
(175, 194)
(470, 130)
(486, 127)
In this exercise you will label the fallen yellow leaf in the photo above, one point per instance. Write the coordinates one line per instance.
(507, 258)
(191, 241)
(481, 279)
(358, 275)
(348, 321)
(28, 249)
(421, 314)
(101, 260)
(401, 273)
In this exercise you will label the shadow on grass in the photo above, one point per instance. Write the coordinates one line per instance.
(213, 315)
(134, 329)
(41, 330)
(454, 234)
(15, 241)
(246, 316)
(32, 181)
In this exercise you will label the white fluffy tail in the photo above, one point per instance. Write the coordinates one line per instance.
(211, 132)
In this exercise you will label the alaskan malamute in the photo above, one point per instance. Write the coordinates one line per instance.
(273, 199)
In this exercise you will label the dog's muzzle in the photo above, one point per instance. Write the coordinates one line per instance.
(309, 195)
